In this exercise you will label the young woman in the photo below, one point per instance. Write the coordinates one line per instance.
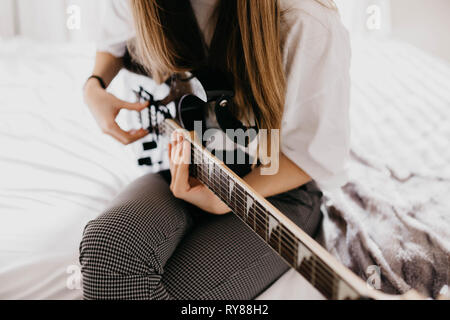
(288, 64)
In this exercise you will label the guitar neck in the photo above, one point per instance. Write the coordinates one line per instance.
(300, 251)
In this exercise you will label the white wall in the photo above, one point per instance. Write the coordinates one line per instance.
(46, 20)
(42, 20)
(7, 18)
(424, 23)
(355, 15)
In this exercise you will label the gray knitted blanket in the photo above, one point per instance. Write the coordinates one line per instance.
(393, 217)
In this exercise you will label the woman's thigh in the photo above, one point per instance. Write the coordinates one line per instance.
(221, 258)
(123, 252)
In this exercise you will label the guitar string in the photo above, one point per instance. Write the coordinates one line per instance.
(225, 192)
(321, 274)
(226, 196)
(320, 266)
(323, 269)
(292, 251)
(322, 277)
(257, 214)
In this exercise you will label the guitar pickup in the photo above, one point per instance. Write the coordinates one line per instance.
(145, 161)
(150, 145)
(148, 162)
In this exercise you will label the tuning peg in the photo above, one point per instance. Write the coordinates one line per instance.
(150, 145)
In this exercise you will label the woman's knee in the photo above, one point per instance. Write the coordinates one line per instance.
(129, 244)
(138, 228)
(116, 262)
(110, 242)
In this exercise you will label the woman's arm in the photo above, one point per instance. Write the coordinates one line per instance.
(106, 66)
(104, 106)
(288, 177)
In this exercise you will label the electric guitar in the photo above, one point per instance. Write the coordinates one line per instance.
(332, 279)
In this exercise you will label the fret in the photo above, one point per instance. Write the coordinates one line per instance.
(204, 174)
(218, 188)
(308, 270)
(193, 167)
(308, 266)
(327, 278)
(200, 168)
(196, 163)
(313, 270)
(198, 157)
(275, 239)
(324, 286)
(260, 221)
(249, 201)
(334, 287)
(205, 168)
(240, 193)
(303, 255)
(210, 172)
(232, 194)
(250, 212)
(222, 183)
(305, 269)
(212, 181)
(221, 191)
(237, 200)
(288, 255)
(272, 224)
(200, 173)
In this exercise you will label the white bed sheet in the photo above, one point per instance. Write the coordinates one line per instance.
(57, 172)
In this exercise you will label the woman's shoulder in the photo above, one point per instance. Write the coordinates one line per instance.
(314, 22)
(320, 12)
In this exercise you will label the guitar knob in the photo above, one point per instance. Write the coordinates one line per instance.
(223, 103)
(145, 162)
(150, 145)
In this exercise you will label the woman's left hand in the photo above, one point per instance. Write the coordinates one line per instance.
(185, 187)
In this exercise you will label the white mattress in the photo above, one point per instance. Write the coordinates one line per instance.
(56, 170)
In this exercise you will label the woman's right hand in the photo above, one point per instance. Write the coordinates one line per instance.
(105, 107)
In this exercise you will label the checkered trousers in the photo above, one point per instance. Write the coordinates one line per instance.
(149, 245)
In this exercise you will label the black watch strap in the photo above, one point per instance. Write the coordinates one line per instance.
(100, 80)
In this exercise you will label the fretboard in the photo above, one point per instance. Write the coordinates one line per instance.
(289, 241)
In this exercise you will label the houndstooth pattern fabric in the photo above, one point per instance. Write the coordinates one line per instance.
(150, 246)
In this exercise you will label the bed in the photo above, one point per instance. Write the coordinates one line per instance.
(57, 172)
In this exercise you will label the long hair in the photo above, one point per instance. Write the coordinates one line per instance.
(246, 44)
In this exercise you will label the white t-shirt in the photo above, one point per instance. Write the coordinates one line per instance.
(315, 132)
